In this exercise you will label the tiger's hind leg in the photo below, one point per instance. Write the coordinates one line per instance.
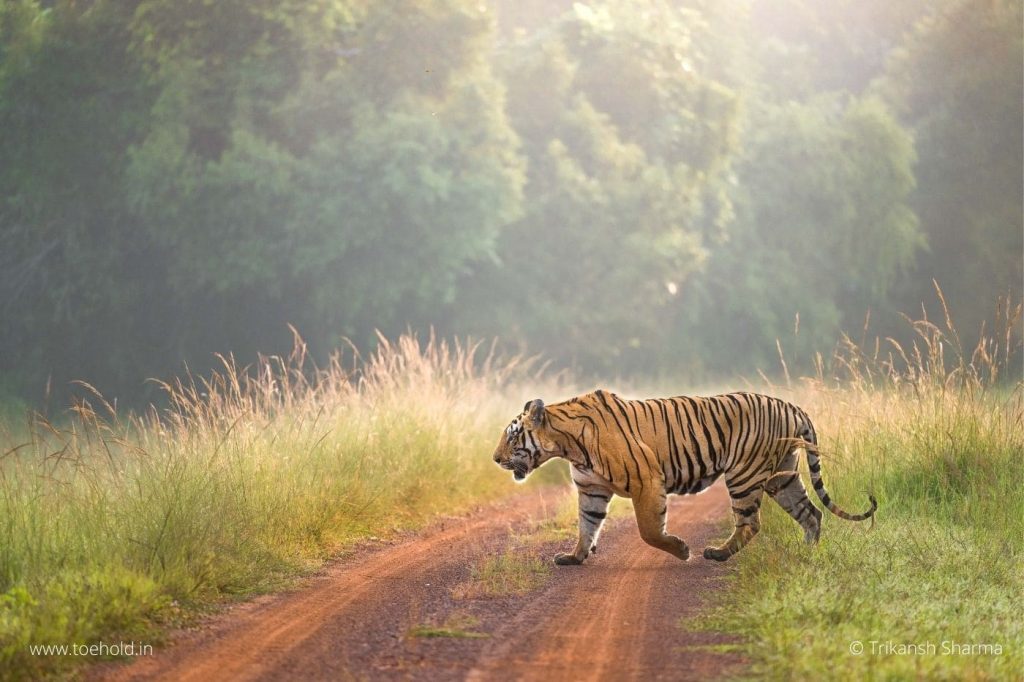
(745, 492)
(786, 488)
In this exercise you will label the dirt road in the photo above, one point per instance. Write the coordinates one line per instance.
(616, 617)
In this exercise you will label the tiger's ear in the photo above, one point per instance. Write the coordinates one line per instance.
(535, 408)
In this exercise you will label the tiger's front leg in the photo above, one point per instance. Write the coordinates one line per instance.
(651, 509)
(593, 508)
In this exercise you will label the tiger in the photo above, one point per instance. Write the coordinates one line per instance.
(646, 450)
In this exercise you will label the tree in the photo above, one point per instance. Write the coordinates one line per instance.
(957, 82)
(72, 101)
(806, 47)
(822, 231)
(186, 177)
(622, 129)
(354, 165)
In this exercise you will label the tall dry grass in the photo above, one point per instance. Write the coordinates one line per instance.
(112, 524)
(936, 432)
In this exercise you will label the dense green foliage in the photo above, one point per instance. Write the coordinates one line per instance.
(615, 185)
(844, 164)
(957, 83)
(625, 187)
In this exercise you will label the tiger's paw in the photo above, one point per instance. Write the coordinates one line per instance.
(716, 553)
(563, 559)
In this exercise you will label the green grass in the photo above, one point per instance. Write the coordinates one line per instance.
(428, 631)
(563, 525)
(454, 633)
(942, 452)
(516, 571)
(524, 566)
(113, 528)
(456, 626)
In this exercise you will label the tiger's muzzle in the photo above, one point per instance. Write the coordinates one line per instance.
(519, 467)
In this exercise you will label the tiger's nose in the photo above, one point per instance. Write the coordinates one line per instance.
(497, 458)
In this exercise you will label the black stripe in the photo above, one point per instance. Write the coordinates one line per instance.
(698, 415)
(713, 416)
(736, 425)
(749, 425)
(693, 439)
(746, 491)
(606, 469)
(629, 447)
(577, 442)
(788, 483)
(636, 417)
(651, 417)
(670, 443)
(739, 479)
(730, 425)
(757, 407)
(579, 439)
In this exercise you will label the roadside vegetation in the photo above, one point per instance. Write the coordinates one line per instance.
(113, 526)
(116, 526)
(515, 571)
(936, 434)
(563, 525)
(526, 562)
(522, 565)
(456, 626)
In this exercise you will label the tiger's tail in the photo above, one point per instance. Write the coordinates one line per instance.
(814, 464)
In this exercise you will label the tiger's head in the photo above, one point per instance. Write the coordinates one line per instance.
(524, 445)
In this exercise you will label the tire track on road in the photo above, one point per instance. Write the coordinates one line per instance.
(615, 617)
(270, 638)
(618, 615)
